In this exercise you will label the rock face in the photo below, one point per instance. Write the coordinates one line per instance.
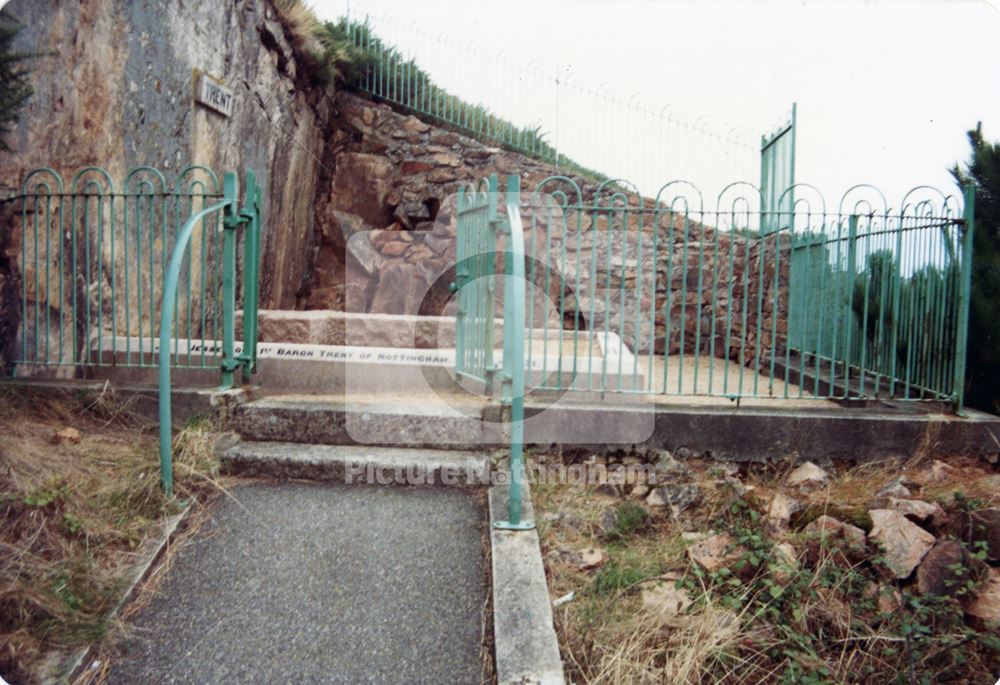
(116, 93)
(336, 169)
(904, 544)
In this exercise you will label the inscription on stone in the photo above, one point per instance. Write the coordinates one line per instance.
(213, 94)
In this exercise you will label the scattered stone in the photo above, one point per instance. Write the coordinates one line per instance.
(669, 469)
(665, 600)
(584, 559)
(937, 471)
(979, 528)
(563, 519)
(715, 552)
(607, 522)
(781, 510)
(946, 568)
(894, 488)
(915, 510)
(565, 599)
(727, 469)
(904, 544)
(830, 533)
(986, 605)
(437, 243)
(788, 562)
(591, 558)
(887, 598)
(639, 492)
(678, 497)
(607, 490)
(66, 435)
(808, 476)
(412, 124)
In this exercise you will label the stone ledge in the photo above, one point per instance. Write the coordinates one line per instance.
(357, 464)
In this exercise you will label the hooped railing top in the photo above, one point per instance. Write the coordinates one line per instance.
(234, 217)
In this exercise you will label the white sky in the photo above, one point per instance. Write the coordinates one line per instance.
(885, 90)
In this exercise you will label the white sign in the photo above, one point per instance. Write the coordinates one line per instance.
(214, 95)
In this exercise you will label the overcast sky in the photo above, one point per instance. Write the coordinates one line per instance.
(885, 90)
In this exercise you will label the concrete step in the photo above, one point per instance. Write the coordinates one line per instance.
(329, 420)
(357, 464)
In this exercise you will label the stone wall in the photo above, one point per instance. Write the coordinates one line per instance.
(386, 243)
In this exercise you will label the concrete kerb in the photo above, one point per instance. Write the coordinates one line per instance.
(525, 643)
(81, 660)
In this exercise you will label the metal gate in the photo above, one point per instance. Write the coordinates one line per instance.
(481, 228)
(140, 276)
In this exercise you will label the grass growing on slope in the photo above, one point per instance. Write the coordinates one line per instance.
(75, 513)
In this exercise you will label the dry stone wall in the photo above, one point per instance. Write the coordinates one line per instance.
(386, 244)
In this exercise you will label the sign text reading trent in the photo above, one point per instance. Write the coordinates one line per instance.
(214, 95)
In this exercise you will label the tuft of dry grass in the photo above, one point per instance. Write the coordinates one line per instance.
(300, 20)
(74, 516)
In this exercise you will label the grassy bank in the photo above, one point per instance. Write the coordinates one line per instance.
(79, 501)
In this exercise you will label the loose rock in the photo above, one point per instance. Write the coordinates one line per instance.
(986, 605)
(715, 552)
(678, 497)
(915, 509)
(831, 534)
(66, 435)
(781, 510)
(665, 600)
(669, 469)
(904, 544)
(808, 476)
(894, 488)
(591, 558)
(946, 568)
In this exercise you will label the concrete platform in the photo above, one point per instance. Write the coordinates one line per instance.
(726, 432)
(299, 583)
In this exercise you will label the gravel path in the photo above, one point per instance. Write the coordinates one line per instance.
(301, 583)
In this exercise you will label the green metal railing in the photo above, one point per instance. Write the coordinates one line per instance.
(233, 218)
(664, 297)
(92, 259)
(96, 288)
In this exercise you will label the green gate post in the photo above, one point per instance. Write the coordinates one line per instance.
(964, 294)
(231, 220)
(512, 377)
(251, 274)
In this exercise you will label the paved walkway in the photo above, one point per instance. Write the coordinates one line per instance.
(301, 583)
